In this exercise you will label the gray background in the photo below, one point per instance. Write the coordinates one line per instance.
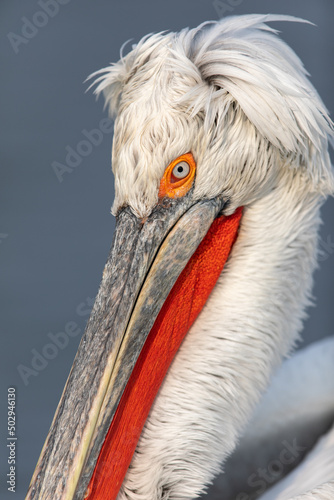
(54, 237)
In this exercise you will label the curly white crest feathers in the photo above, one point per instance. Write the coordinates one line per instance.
(237, 60)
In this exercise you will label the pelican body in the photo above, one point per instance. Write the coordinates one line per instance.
(221, 164)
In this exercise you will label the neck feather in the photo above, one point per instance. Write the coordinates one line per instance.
(250, 322)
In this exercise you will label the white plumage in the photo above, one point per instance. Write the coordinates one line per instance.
(226, 90)
(295, 410)
(238, 98)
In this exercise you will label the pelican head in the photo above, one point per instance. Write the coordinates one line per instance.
(220, 157)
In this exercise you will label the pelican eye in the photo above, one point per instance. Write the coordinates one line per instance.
(178, 177)
(180, 171)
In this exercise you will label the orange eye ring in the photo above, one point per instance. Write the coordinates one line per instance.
(178, 177)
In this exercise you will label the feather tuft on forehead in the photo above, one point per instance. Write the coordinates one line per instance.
(202, 90)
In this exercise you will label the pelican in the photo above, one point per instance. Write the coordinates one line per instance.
(221, 164)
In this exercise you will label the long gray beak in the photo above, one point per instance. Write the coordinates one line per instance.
(145, 261)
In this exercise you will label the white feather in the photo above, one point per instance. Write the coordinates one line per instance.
(297, 408)
(227, 91)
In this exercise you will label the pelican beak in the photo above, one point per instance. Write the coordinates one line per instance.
(145, 261)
